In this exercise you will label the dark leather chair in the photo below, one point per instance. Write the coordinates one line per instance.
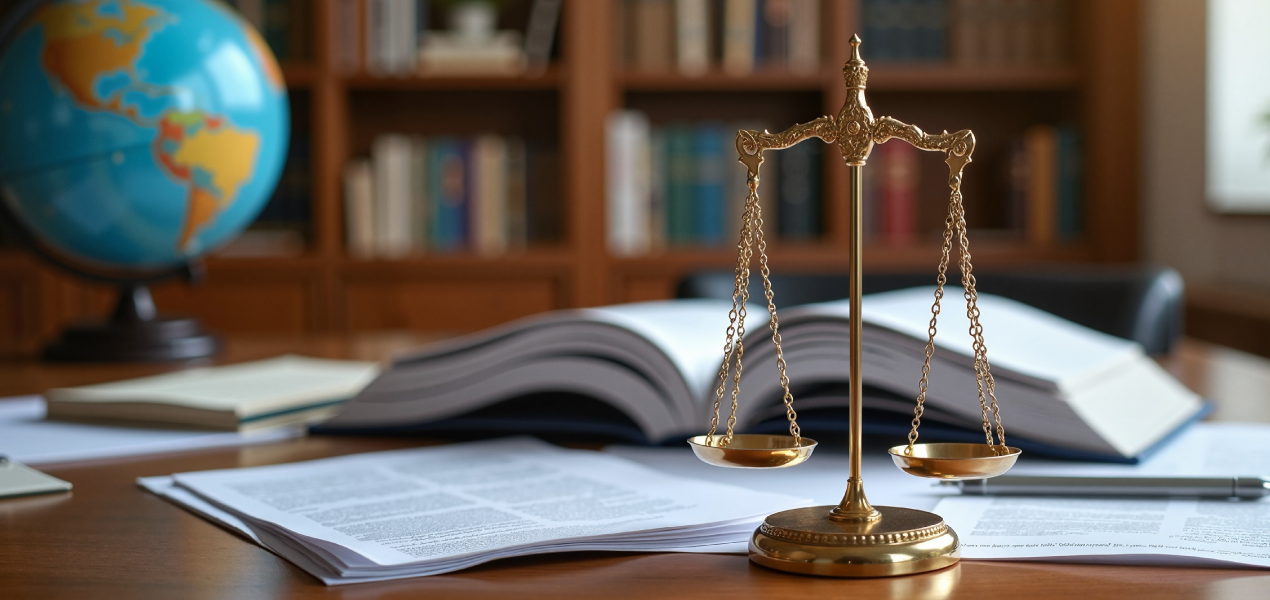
(1139, 303)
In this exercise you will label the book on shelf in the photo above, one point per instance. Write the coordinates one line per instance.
(898, 173)
(244, 397)
(1045, 184)
(285, 25)
(967, 32)
(397, 38)
(438, 194)
(680, 185)
(1008, 32)
(691, 36)
(648, 372)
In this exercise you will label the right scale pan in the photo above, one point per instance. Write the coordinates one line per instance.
(954, 462)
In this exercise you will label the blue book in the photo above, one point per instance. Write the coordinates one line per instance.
(710, 214)
(1070, 213)
(449, 185)
(680, 185)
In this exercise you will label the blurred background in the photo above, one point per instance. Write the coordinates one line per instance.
(453, 167)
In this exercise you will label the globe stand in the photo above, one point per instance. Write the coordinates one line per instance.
(135, 331)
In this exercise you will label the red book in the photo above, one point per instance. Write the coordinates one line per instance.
(898, 192)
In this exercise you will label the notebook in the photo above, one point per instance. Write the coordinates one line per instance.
(244, 397)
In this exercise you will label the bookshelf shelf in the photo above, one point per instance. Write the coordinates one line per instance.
(564, 110)
(550, 79)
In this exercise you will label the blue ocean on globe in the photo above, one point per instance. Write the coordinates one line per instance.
(138, 134)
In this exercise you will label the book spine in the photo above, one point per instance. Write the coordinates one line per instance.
(692, 36)
(359, 208)
(708, 156)
(1052, 32)
(345, 34)
(1041, 204)
(965, 31)
(489, 194)
(804, 36)
(800, 192)
(375, 38)
(517, 195)
(899, 193)
(775, 47)
(418, 225)
(658, 223)
(1070, 213)
(1018, 185)
(448, 182)
(995, 31)
(874, 173)
(654, 37)
(933, 30)
(1020, 31)
(540, 34)
(393, 218)
(627, 194)
(739, 34)
(680, 185)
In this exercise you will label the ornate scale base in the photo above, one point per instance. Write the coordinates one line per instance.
(806, 541)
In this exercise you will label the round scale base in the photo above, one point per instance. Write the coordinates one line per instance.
(805, 541)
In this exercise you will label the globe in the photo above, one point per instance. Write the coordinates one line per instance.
(138, 134)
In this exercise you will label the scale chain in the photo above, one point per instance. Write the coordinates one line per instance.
(955, 225)
(734, 347)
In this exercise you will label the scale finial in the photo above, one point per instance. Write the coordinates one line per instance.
(855, 49)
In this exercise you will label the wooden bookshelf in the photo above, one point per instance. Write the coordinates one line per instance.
(325, 290)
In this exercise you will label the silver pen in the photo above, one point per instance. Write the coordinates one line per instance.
(1046, 485)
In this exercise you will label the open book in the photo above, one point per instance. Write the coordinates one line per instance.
(651, 369)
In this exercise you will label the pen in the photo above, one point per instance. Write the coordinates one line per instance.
(1044, 485)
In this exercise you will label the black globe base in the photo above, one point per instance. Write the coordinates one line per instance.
(135, 332)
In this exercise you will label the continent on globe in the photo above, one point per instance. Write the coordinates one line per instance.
(212, 156)
(87, 42)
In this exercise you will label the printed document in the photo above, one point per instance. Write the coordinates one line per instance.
(433, 510)
(1146, 531)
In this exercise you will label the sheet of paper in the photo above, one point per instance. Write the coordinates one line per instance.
(1175, 531)
(17, 479)
(27, 437)
(431, 510)
(823, 478)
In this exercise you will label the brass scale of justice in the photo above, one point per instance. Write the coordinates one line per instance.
(854, 538)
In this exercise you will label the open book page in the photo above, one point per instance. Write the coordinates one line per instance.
(441, 508)
(1028, 341)
(245, 389)
(690, 332)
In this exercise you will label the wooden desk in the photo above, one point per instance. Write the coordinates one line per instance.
(110, 539)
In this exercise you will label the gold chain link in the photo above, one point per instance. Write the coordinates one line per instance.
(734, 347)
(955, 225)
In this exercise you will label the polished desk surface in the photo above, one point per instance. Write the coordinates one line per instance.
(110, 539)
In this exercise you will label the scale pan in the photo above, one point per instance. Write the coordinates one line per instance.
(753, 451)
(955, 461)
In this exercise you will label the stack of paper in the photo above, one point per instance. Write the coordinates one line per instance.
(408, 513)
